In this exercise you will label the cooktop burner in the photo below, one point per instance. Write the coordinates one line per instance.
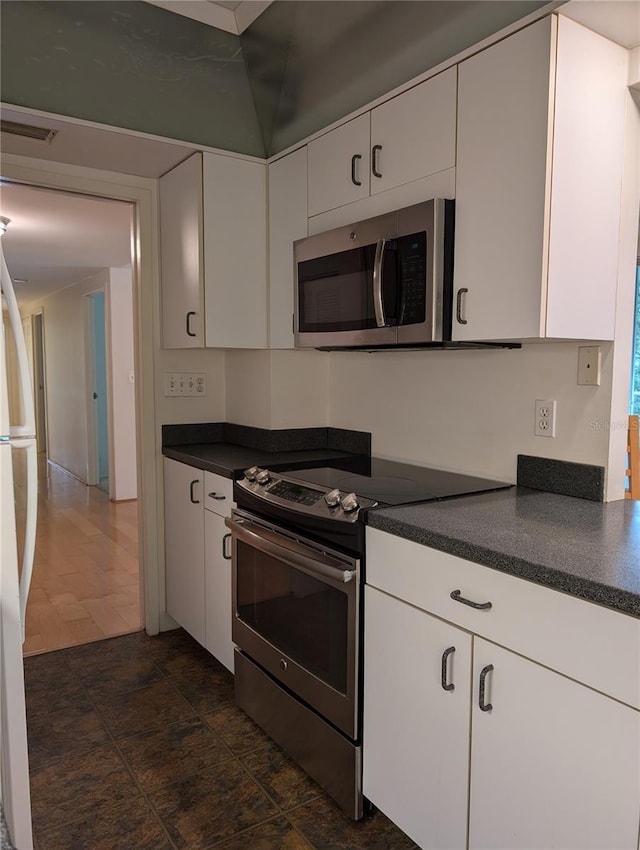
(391, 483)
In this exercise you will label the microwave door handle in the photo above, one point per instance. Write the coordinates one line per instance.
(378, 304)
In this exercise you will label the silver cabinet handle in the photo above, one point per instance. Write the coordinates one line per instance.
(215, 496)
(374, 161)
(461, 293)
(484, 706)
(378, 305)
(480, 606)
(446, 686)
(225, 553)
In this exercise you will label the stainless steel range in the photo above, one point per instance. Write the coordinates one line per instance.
(298, 576)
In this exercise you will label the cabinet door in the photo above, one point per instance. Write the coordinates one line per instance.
(217, 583)
(554, 764)
(502, 186)
(184, 546)
(339, 166)
(416, 733)
(287, 222)
(181, 255)
(235, 252)
(414, 135)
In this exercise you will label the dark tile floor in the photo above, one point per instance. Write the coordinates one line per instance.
(136, 742)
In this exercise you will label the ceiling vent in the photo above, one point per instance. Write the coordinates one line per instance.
(27, 131)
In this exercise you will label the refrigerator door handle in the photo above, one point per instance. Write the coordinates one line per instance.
(28, 553)
(28, 428)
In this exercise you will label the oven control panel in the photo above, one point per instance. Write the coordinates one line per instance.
(291, 493)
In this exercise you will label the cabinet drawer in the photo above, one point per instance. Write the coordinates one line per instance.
(592, 644)
(218, 493)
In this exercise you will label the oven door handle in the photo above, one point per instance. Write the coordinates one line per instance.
(293, 553)
(378, 303)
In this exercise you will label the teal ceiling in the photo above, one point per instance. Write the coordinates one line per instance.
(299, 66)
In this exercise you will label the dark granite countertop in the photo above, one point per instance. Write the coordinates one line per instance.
(587, 549)
(230, 460)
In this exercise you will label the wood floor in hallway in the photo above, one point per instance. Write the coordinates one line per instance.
(85, 583)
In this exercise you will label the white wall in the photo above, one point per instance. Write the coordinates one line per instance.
(184, 409)
(277, 389)
(122, 443)
(466, 411)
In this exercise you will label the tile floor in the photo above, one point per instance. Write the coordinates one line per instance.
(135, 742)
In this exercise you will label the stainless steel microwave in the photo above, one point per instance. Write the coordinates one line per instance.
(380, 283)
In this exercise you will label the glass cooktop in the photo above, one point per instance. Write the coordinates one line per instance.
(391, 483)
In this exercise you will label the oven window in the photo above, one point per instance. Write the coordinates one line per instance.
(305, 618)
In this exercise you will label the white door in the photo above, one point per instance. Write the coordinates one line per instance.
(218, 589)
(416, 726)
(184, 546)
(414, 134)
(339, 165)
(554, 765)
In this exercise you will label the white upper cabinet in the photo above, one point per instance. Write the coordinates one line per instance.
(287, 222)
(181, 255)
(414, 134)
(213, 243)
(235, 252)
(538, 180)
(409, 137)
(339, 166)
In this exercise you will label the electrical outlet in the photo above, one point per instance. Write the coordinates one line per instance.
(185, 383)
(545, 419)
(589, 365)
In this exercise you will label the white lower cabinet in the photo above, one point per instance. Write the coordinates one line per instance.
(198, 574)
(184, 546)
(217, 584)
(517, 756)
(416, 726)
(554, 764)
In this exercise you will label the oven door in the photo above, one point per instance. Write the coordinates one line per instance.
(295, 607)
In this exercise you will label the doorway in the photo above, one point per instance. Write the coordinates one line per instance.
(98, 395)
(86, 581)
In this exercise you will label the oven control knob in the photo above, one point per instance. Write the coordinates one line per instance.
(283, 664)
(250, 474)
(333, 498)
(263, 476)
(349, 503)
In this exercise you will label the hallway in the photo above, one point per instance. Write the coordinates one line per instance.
(85, 584)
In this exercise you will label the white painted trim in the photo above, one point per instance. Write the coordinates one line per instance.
(634, 68)
(206, 13)
(141, 192)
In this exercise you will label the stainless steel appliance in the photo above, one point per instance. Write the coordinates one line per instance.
(383, 282)
(298, 575)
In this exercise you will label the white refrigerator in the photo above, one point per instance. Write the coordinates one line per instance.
(14, 579)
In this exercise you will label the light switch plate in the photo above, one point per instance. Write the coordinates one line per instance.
(185, 383)
(589, 365)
